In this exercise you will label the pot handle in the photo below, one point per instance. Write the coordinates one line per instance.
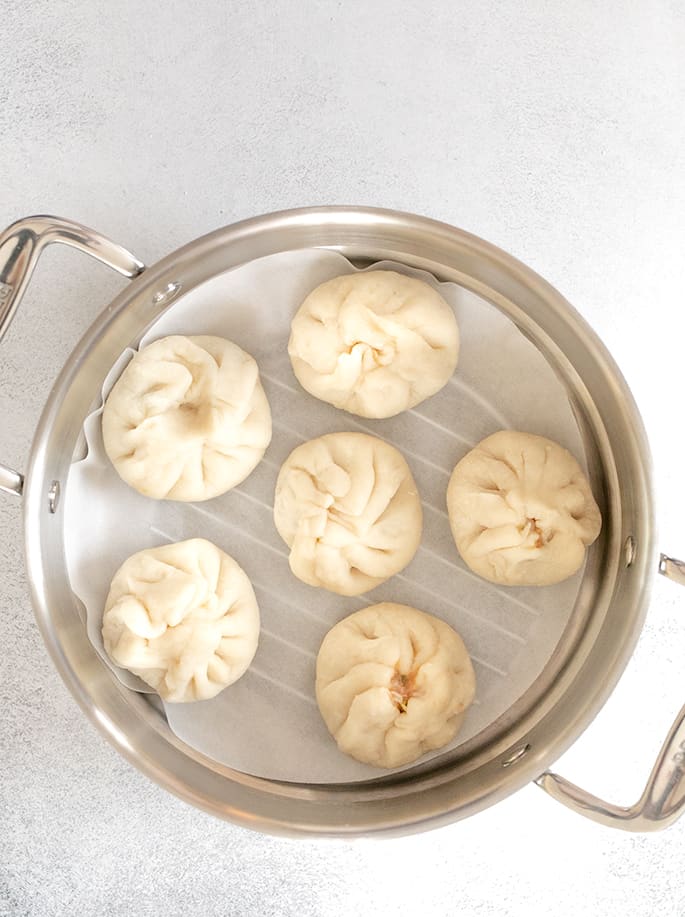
(20, 247)
(663, 800)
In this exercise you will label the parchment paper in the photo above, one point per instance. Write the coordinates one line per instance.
(268, 724)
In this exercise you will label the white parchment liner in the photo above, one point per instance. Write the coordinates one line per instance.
(268, 724)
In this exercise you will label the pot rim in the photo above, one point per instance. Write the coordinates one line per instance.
(601, 647)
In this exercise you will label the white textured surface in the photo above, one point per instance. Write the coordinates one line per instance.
(554, 130)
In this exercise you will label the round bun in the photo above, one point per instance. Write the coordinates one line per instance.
(347, 507)
(392, 683)
(374, 343)
(521, 510)
(184, 618)
(187, 419)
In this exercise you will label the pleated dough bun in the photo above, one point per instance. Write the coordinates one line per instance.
(187, 419)
(374, 343)
(521, 510)
(184, 618)
(392, 683)
(347, 507)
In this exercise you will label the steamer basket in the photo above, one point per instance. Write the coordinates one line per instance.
(593, 651)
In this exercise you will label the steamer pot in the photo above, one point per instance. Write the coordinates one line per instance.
(593, 651)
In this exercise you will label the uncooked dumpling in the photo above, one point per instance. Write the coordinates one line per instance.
(521, 510)
(392, 683)
(347, 507)
(374, 343)
(184, 618)
(187, 419)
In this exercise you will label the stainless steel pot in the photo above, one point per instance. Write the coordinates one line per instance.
(593, 651)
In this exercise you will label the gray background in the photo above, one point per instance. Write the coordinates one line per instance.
(553, 129)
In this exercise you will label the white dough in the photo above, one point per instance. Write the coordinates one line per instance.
(184, 618)
(187, 419)
(374, 343)
(521, 510)
(347, 507)
(392, 683)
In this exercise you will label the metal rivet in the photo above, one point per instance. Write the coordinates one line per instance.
(53, 496)
(516, 756)
(162, 297)
(629, 549)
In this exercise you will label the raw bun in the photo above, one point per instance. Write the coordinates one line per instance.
(347, 507)
(374, 343)
(521, 510)
(184, 618)
(392, 683)
(187, 419)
